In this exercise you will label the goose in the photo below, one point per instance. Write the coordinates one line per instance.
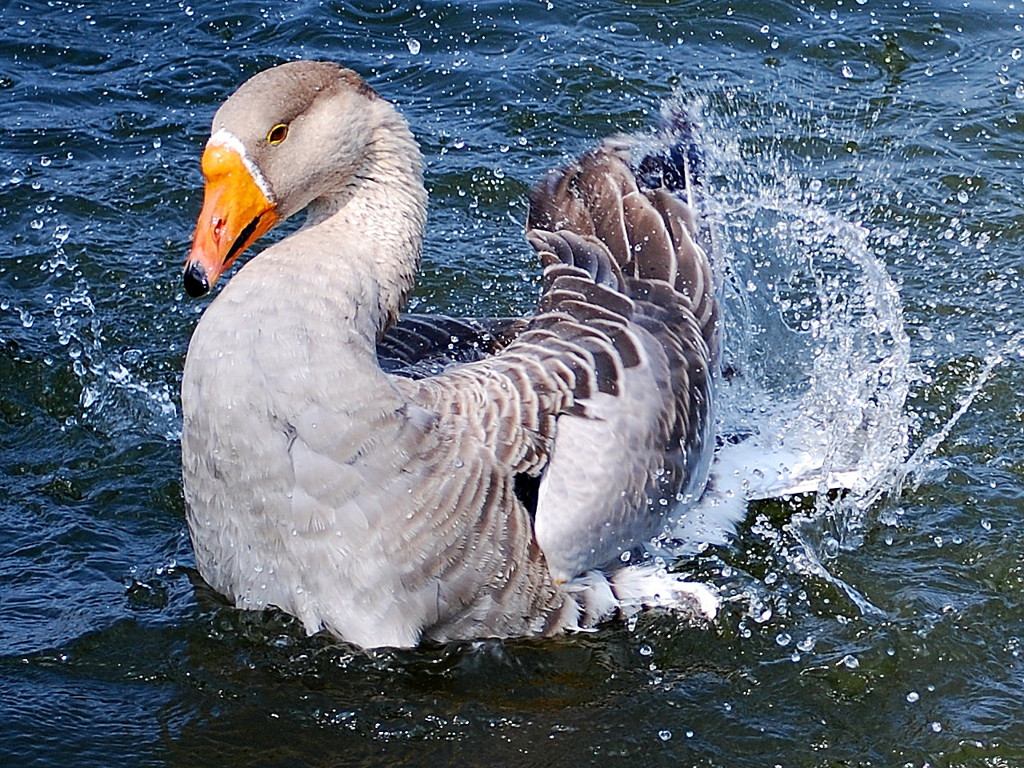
(400, 481)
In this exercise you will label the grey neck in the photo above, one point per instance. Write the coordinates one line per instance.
(371, 230)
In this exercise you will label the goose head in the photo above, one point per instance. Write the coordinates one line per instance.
(287, 137)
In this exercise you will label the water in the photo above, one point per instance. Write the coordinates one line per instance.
(865, 173)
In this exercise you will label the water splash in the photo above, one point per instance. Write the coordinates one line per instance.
(821, 358)
(118, 400)
(818, 363)
(113, 397)
(918, 463)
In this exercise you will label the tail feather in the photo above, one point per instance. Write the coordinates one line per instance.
(676, 163)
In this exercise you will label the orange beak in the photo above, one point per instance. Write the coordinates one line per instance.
(235, 213)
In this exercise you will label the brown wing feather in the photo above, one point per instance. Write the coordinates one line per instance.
(607, 391)
(664, 307)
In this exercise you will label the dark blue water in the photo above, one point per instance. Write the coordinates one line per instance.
(865, 165)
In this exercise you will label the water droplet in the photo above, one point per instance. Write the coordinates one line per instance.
(646, 650)
(764, 616)
(962, 196)
(783, 639)
(413, 45)
(913, 697)
(850, 661)
(829, 547)
(88, 397)
(664, 734)
(846, 72)
(936, 727)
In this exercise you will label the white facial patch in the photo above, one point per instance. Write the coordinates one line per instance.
(225, 138)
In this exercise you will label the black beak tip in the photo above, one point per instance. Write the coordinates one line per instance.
(196, 284)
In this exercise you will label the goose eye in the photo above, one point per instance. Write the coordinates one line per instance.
(277, 134)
